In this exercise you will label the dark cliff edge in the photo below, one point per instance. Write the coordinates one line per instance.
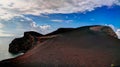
(88, 46)
(21, 45)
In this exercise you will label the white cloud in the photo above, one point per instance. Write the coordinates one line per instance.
(11, 8)
(44, 27)
(118, 33)
(1, 25)
(59, 21)
(18, 25)
(110, 25)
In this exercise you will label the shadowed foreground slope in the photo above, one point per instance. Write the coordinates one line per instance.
(90, 46)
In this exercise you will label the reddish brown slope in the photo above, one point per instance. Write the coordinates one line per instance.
(83, 47)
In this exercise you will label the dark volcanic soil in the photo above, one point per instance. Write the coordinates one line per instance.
(91, 46)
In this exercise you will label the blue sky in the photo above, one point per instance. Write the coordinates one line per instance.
(45, 16)
(99, 16)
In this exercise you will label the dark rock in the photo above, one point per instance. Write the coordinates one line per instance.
(32, 33)
(24, 43)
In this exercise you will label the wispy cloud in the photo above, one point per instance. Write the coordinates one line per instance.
(57, 21)
(11, 8)
(60, 21)
(3, 34)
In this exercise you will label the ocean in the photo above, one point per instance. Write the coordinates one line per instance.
(4, 45)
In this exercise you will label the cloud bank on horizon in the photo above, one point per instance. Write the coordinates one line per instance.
(12, 13)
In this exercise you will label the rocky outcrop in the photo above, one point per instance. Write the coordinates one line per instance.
(89, 46)
(24, 43)
(104, 30)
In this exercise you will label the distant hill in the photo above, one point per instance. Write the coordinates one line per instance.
(88, 46)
